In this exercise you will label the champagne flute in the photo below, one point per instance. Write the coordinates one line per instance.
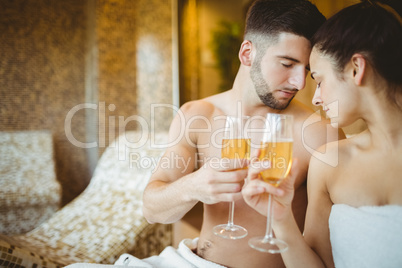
(235, 145)
(276, 147)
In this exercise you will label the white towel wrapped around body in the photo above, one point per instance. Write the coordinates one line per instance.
(369, 236)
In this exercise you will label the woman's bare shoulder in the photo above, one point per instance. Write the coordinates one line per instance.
(329, 157)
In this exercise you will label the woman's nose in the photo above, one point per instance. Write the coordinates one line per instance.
(317, 97)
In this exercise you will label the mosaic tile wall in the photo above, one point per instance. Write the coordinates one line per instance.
(42, 67)
(135, 64)
(116, 42)
(44, 51)
(154, 62)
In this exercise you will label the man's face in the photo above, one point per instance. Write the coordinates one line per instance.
(279, 72)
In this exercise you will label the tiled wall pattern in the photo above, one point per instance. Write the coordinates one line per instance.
(44, 45)
(116, 41)
(42, 68)
(154, 62)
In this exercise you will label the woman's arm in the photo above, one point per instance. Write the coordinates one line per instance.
(313, 249)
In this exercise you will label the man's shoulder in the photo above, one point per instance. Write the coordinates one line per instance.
(198, 107)
(197, 114)
(208, 107)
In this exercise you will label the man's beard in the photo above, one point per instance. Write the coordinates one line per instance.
(263, 90)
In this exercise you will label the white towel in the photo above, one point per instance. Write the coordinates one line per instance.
(366, 236)
(170, 257)
(183, 257)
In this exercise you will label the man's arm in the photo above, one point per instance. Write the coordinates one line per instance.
(175, 187)
(166, 198)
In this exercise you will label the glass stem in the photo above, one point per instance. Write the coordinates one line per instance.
(268, 232)
(231, 212)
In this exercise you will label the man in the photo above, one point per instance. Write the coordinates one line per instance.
(274, 63)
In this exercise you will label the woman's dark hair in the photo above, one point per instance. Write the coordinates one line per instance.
(371, 28)
(268, 18)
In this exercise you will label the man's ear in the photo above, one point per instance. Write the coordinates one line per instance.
(358, 68)
(245, 53)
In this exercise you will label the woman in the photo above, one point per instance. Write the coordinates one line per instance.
(354, 215)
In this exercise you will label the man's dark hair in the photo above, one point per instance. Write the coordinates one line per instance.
(266, 19)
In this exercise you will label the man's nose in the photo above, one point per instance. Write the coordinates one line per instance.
(298, 80)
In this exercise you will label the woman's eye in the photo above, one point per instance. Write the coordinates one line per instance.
(319, 85)
(286, 65)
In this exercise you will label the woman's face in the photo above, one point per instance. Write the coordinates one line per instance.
(333, 93)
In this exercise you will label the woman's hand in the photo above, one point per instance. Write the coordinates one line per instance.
(256, 191)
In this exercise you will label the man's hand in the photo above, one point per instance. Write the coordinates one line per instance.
(220, 180)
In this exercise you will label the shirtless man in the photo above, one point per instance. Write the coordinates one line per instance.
(274, 60)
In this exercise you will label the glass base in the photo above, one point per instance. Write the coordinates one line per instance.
(270, 245)
(230, 231)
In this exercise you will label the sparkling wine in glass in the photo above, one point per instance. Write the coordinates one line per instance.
(235, 146)
(276, 147)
